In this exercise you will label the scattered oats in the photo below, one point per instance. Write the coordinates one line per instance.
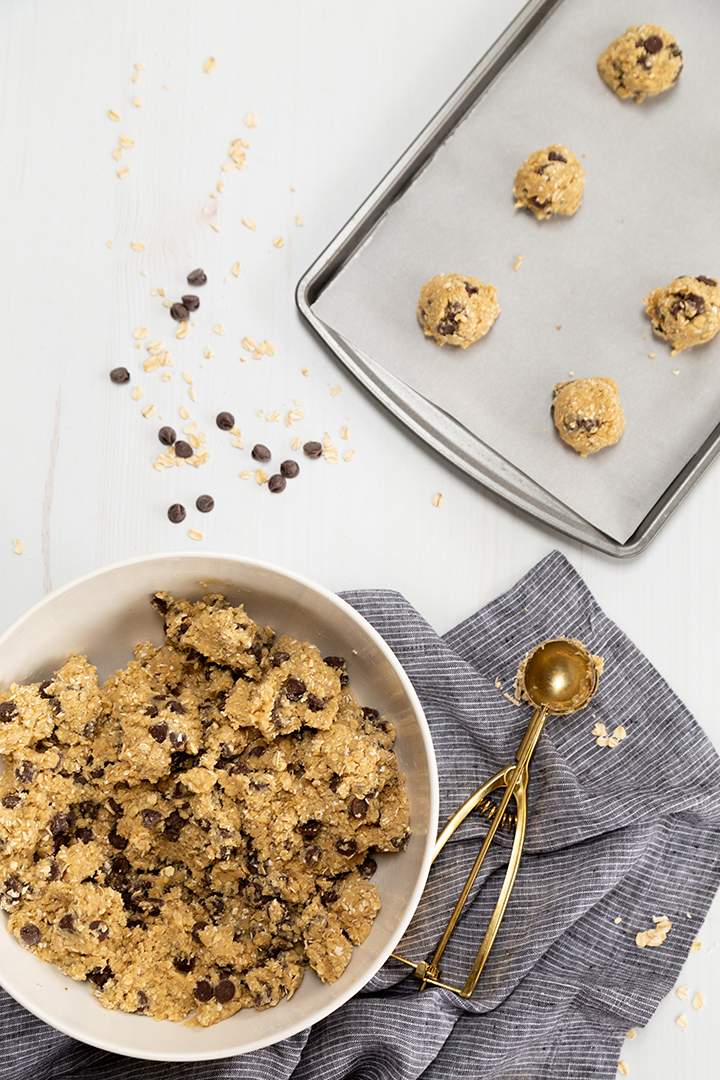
(698, 1001)
(305, 371)
(619, 733)
(137, 102)
(266, 348)
(682, 993)
(617, 920)
(235, 269)
(138, 66)
(246, 474)
(437, 499)
(187, 377)
(158, 291)
(183, 413)
(167, 303)
(220, 186)
(603, 740)
(631, 1034)
(195, 534)
(651, 355)
(250, 120)
(18, 546)
(208, 353)
(192, 394)
(248, 344)
(612, 742)
(335, 390)
(558, 326)
(279, 242)
(137, 245)
(571, 374)
(330, 451)
(599, 729)
(656, 935)
(261, 476)
(237, 154)
(112, 115)
(518, 261)
(348, 455)
(136, 393)
(696, 945)
(219, 328)
(512, 699)
(209, 65)
(345, 432)
(149, 411)
(122, 172)
(248, 223)
(623, 1068)
(295, 443)
(140, 332)
(299, 220)
(225, 167)
(676, 371)
(182, 330)
(166, 376)
(273, 417)
(108, 245)
(237, 443)
(126, 142)
(116, 153)
(214, 226)
(293, 415)
(681, 1021)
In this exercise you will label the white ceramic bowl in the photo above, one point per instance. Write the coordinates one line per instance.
(103, 615)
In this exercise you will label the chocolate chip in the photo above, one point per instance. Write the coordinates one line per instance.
(260, 452)
(84, 834)
(67, 922)
(178, 708)
(8, 710)
(184, 964)
(151, 710)
(554, 156)
(179, 312)
(150, 818)
(312, 855)
(279, 658)
(178, 739)
(167, 435)
(142, 1001)
(29, 934)
(119, 375)
(60, 825)
(697, 302)
(470, 289)
(158, 732)
(334, 781)
(329, 896)
(195, 932)
(100, 976)
(653, 44)
(289, 469)
(309, 829)
(400, 842)
(203, 990)
(312, 449)
(370, 714)
(102, 929)
(346, 847)
(447, 327)
(225, 991)
(176, 513)
(277, 483)
(358, 809)
(205, 503)
(116, 840)
(225, 421)
(294, 688)
(116, 807)
(183, 449)
(10, 801)
(367, 867)
(174, 824)
(197, 277)
(25, 772)
(700, 277)
(191, 302)
(314, 703)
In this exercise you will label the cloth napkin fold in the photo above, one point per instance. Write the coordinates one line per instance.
(615, 836)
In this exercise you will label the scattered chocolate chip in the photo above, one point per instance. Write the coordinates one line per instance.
(329, 896)
(197, 277)
(205, 503)
(334, 781)
(29, 934)
(314, 703)
(142, 1001)
(289, 469)
(700, 277)
(116, 840)
(260, 452)
(167, 435)
(367, 867)
(178, 708)
(8, 710)
(203, 990)
(60, 825)
(183, 449)
(100, 976)
(653, 44)
(67, 922)
(470, 289)
(151, 710)
(190, 301)
(358, 809)
(279, 658)
(174, 824)
(346, 847)
(115, 806)
(225, 991)
(196, 930)
(101, 929)
(43, 689)
(10, 801)
(225, 421)
(277, 483)
(150, 818)
(400, 842)
(158, 732)
(554, 156)
(179, 312)
(370, 714)
(184, 964)
(309, 829)
(84, 834)
(119, 375)
(25, 772)
(312, 855)
(294, 689)
(312, 449)
(177, 738)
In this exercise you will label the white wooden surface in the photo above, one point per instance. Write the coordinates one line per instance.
(339, 90)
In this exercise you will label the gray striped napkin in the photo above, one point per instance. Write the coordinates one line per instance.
(616, 836)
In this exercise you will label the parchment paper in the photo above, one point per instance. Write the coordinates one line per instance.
(651, 212)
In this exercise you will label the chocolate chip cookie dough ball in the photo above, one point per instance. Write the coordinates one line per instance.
(686, 312)
(456, 309)
(588, 414)
(550, 182)
(643, 62)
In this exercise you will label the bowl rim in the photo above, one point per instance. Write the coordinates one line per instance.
(108, 1044)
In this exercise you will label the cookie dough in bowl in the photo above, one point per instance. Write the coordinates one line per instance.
(457, 309)
(588, 414)
(643, 62)
(686, 312)
(551, 181)
(205, 832)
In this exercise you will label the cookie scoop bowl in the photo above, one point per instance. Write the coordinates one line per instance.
(103, 615)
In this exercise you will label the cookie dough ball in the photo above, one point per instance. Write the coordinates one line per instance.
(641, 63)
(588, 414)
(550, 182)
(686, 312)
(456, 309)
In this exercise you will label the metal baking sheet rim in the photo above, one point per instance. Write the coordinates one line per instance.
(440, 431)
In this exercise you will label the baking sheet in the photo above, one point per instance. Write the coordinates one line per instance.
(651, 212)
